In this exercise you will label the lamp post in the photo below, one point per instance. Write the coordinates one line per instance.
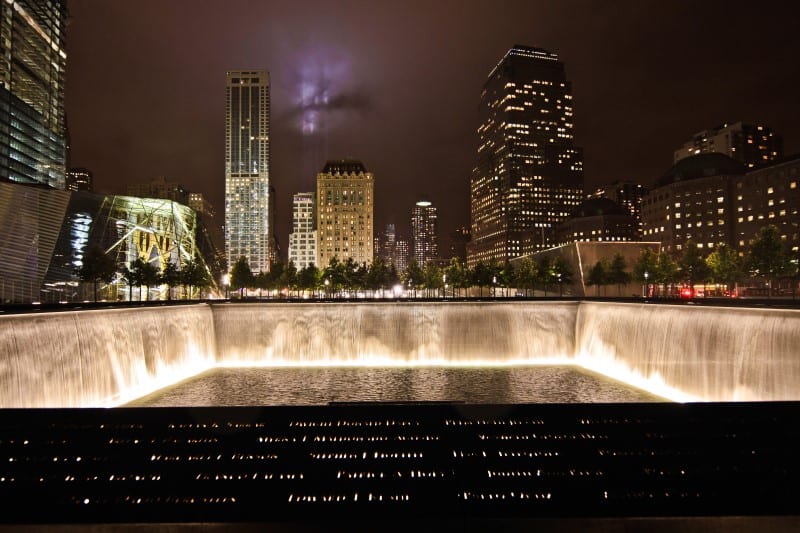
(646, 284)
(226, 281)
(327, 282)
(494, 286)
(444, 285)
(411, 287)
(560, 293)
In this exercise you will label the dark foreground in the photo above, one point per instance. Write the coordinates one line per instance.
(459, 467)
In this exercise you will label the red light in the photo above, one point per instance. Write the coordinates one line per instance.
(686, 292)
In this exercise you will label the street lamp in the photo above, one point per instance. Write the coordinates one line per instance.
(327, 282)
(646, 284)
(560, 293)
(444, 285)
(494, 286)
(226, 281)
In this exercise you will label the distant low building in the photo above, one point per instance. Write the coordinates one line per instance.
(751, 145)
(598, 219)
(581, 257)
(160, 188)
(79, 179)
(627, 194)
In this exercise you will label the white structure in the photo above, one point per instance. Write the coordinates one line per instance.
(248, 227)
(303, 239)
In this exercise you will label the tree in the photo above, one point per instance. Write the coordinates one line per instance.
(644, 270)
(140, 273)
(526, 274)
(131, 278)
(413, 276)
(195, 275)
(309, 278)
(724, 265)
(97, 266)
(150, 276)
(544, 272)
(432, 277)
(597, 277)
(170, 276)
(617, 274)
(481, 276)
(377, 276)
(766, 258)
(562, 273)
(692, 264)
(457, 275)
(334, 276)
(667, 272)
(241, 276)
(289, 277)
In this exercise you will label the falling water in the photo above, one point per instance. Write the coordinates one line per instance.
(99, 358)
(699, 353)
(90, 358)
(395, 334)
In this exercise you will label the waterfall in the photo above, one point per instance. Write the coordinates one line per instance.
(105, 357)
(100, 358)
(395, 333)
(705, 353)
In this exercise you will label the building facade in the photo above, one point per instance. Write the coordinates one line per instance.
(303, 239)
(749, 144)
(693, 201)
(160, 188)
(626, 194)
(598, 219)
(529, 173)
(344, 212)
(249, 231)
(424, 232)
(768, 195)
(79, 179)
(32, 76)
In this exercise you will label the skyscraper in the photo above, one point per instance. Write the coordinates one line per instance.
(303, 239)
(424, 232)
(747, 143)
(248, 222)
(529, 174)
(32, 71)
(79, 179)
(344, 212)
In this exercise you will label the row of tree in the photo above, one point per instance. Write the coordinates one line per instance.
(431, 279)
(99, 267)
(767, 259)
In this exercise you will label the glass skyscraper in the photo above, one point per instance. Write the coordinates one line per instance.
(33, 63)
(248, 227)
(529, 174)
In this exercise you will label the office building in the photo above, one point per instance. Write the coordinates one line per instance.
(751, 145)
(249, 231)
(627, 194)
(529, 174)
(160, 188)
(344, 212)
(597, 219)
(424, 237)
(458, 243)
(79, 179)
(303, 239)
(32, 75)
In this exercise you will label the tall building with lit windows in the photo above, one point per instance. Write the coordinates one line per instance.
(752, 145)
(303, 239)
(344, 212)
(248, 221)
(529, 174)
(33, 63)
(425, 240)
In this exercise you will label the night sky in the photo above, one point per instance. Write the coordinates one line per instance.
(397, 85)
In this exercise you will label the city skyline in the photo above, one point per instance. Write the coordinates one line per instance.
(386, 94)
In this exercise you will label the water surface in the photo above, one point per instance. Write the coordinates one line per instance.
(322, 385)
